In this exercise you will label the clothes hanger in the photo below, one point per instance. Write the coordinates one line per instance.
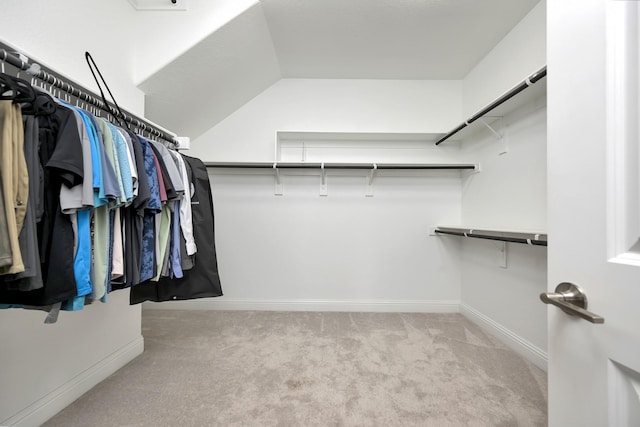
(13, 87)
(94, 69)
(24, 92)
(7, 86)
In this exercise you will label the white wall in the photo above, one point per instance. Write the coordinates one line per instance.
(332, 106)
(509, 193)
(506, 300)
(344, 251)
(518, 55)
(339, 252)
(45, 367)
(49, 32)
(511, 190)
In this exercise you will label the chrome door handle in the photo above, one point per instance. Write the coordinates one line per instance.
(572, 300)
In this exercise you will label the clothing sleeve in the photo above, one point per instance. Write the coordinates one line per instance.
(87, 184)
(131, 160)
(67, 155)
(186, 217)
(170, 165)
(123, 163)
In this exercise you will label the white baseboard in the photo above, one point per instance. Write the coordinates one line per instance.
(529, 351)
(222, 303)
(46, 407)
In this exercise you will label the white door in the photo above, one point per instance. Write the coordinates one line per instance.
(594, 209)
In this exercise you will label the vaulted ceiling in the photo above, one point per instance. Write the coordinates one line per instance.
(327, 39)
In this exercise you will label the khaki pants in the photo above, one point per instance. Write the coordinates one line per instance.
(15, 181)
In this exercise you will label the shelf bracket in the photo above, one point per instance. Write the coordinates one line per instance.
(278, 190)
(488, 126)
(324, 191)
(502, 254)
(505, 147)
(372, 174)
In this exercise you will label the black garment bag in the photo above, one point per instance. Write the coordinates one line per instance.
(203, 280)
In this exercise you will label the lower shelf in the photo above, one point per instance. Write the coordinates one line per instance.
(527, 238)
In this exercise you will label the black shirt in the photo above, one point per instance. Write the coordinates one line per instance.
(60, 155)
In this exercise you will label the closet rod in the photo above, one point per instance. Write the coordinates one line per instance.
(367, 166)
(501, 100)
(502, 236)
(69, 86)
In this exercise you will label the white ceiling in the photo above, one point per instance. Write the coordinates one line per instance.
(387, 39)
(362, 39)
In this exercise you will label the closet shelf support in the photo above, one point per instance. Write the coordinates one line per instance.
(500, 136)
(493, 131)
(533, 239)
(278, 190)
(372, 174)
(324, 191)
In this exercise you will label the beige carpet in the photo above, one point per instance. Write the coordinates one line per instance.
(207, 368)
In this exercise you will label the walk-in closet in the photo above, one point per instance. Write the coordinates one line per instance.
(319, 212)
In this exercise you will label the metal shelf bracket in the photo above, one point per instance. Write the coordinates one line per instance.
(500, 136)
(372, 174)
(324, 190)
(488, 126)
(279, 188)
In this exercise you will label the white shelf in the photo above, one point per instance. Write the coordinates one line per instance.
(340, 165)
(381, 147)
(525, 237)
(395, 137)
(371, 170)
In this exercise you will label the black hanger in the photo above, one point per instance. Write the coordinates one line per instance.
(8, 88)
(24, 92)
(118, 112)
(16, 89)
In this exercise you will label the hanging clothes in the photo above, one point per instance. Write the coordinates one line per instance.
(87, 208)
(15, 181)
(31, 278)
(60, 156)
(203, 280)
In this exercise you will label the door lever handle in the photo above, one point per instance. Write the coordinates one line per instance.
(572, 300)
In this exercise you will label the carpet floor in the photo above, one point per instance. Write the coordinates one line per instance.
(212, 368)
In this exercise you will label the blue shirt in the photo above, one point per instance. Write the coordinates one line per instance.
(154, 206)
(123, 162)
(176, 266)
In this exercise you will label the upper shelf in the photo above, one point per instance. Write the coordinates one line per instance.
(529, 89)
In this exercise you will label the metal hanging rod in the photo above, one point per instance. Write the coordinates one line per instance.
(528, 82)
(367, 166)
(535, 239)
(81, 93)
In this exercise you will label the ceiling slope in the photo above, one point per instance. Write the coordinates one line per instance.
(388, 39)
(328, 39)
(214, 77)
